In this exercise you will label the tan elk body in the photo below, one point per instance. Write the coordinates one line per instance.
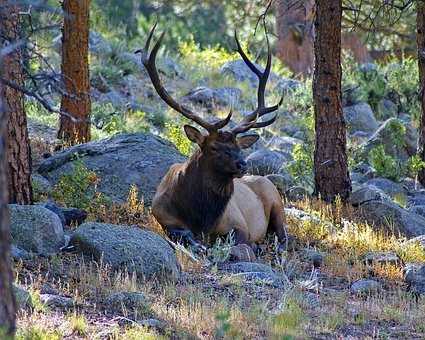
(209, 193)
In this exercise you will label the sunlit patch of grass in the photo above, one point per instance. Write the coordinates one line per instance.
(78, 324)
(289, 323)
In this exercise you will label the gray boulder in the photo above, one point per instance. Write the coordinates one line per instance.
(418, 210)
(393, 218)
(387, 109)
(282, 181)
(120, 162)
(22, 297)
(238, 70)
(416, 199)
(57, 301)
(389, 187)
(127, 248)
(414, 275)
(264, 162)
(360, 117)
(365, 287)
(36, 229)
(40, 185)
(211, 98)
(283, 144)
(130, 302)
(367, 193)
(387, 134)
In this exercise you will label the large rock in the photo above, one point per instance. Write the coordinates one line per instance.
(386, 185)
(393, 218)
(127, 248)
(414, 275)
(367, 193)
(240, 72)
(283, 144)
(36, 229)
(360, 117)
(264, 162)
(120, 162)
(396, 143)
(211, 98)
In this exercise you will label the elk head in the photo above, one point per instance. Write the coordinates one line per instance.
(220, 148)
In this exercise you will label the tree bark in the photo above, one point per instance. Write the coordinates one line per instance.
(330, 156)
(18, 147)
(75, 70)
(420, 39)
(295, 35)
(295, 30)
(7, 300)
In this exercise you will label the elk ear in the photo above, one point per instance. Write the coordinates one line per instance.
(194, 134)
(247, 140)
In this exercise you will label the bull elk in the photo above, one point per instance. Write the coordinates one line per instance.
(209, 193)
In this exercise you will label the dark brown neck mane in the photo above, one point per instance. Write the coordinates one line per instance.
(201, 195)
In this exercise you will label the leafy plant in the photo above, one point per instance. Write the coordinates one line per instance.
(302, 166)
(78, 188)
(385, 165)
(220, 251)
(176, 136)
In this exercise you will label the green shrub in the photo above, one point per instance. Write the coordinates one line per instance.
(78, 188)
(301, 168)
(397, 132)
(385, 165)
(176, 136)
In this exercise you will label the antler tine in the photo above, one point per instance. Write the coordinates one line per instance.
(250, 120)
(149, 61)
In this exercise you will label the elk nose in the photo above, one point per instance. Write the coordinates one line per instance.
(241, 165)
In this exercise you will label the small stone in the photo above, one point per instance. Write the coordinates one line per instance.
(242, 252)
(365, 287)
(313, 256)
(57, 301)
(132, 302)
(381, 257)
(23, 297)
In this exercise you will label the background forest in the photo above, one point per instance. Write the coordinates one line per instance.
(86, 141)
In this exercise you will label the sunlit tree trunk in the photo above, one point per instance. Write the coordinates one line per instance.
(7, 301)
(294, 28)
(75, 70)
(18, 147)
(420, 37)
(330, 156)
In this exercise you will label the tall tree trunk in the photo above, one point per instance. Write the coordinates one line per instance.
(330, 156)
(294, 28)
(7, 300)
(75, 70)
(420, 38)
(18, 147)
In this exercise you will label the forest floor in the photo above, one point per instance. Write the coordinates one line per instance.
(316, 299)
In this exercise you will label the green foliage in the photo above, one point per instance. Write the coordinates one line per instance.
(288, 324)
(176, 136)
(220, 251)
(415, 165)
(78, 188)
(402, 80)
(224, 329)
(384, 165)
(37, 333)
(301, 168)
(397, 132)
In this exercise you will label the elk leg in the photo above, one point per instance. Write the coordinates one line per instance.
(277, 224)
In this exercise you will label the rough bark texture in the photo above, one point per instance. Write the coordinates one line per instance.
(75, 70)
(420, 37)
(295, 29)
(295, 35)
(7, 300)
(18, 148)
(330, 157)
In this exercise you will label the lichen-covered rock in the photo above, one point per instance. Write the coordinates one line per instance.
(210, 98)
(264, 162)
(365, 287)
(360, 117)
(367, 193)
(130, 302)
(22, 297)
(282, 181)
(393, 218)
(36, 229)
(120, 162)
(386, 185)
(127, 248)
(414, 275)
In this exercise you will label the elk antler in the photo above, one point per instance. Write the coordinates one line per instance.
(250, 120)
(148, 61)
